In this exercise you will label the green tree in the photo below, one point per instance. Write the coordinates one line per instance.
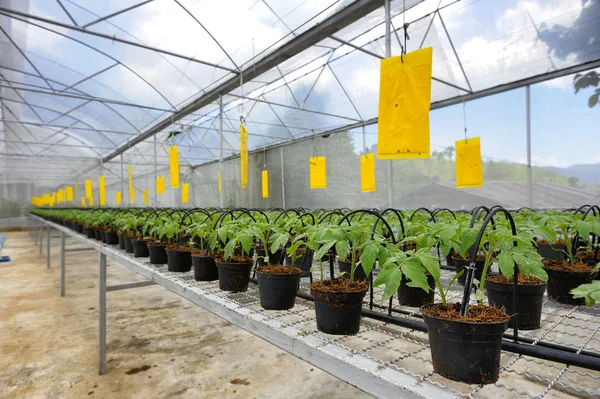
(583, 81)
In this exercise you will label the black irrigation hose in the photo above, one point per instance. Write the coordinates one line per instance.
(542, 350)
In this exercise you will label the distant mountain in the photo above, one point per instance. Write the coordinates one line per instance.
(586, 173)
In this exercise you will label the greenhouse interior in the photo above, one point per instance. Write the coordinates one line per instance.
(300, 198)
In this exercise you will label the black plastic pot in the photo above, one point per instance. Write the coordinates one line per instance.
(158, 254)
(128, 245)
(359, 273)
(415, 296)
(460, 265)
(277, 291)
(234, 276)
(552, 251)
(338, 313)
(90, 233)
(466, 352)
(205, 268)
(121, 239)
(79, 228)
(111, 238)
(179, 261)
(103, 236)
(530, 300)
(560, 284)
(298, 263)
(274, 259)
(140, 249)
(98, 234)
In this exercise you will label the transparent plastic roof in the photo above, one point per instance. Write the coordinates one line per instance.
(80, 79)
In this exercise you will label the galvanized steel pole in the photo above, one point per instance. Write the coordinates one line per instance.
(102, 315)
(388, 53)
(221, 149)
(122, 184)
(529, 173)
(62, 264)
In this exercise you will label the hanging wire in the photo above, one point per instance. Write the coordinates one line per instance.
(242, 118)
(405, 29)
(465, 118)
(264, 157)
(316, 141)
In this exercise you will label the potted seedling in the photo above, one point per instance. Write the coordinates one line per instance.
(205, 268)
(564, 275)
(466, 341)
(277, 284)
(589, 293)
(234, 240)
(157, 248)
(338, 302)
(179, 257)
(531, 279)
(349, 261)
(549, 245)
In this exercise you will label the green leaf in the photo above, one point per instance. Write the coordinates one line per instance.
(593, 100)
(324, 249)
(341, 247)
(368, 257)
(391, 278)
(506, 264)
(415, 273)
(591, 292)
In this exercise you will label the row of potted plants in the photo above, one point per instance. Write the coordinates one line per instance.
(406, 248)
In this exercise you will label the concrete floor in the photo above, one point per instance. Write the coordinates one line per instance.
(158, 344)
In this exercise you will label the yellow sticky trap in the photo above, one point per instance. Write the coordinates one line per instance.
(185, 191)
(160, 184)
(265, 183)
(118, 197)
(91, 201)
(367, 173)
(318, 172)
(88, 188)
(83, 201)
(469, 170)
(174, 166)
(131, 189)
(145, 197)
(243, 156)
(219, 180)
(77, 190)
(60, 195)
(131, 195)
(404, 103)
(102, 190)
(70, 193)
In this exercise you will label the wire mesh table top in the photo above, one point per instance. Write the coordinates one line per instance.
(407, 351)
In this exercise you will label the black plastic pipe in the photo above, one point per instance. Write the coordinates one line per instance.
(542, 350)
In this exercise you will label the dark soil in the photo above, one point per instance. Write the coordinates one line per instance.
(278, 269)
(475, 314)
(557, 242)
(530, 280)
(199, 252)
(182, 248)
(339, 285)
(563, 265)
(348, 259)
(234, 259)
(156, 244)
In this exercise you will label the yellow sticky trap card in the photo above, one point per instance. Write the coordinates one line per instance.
(265, 183)
(118, 197)
(102, 190)
(318, 172)
(174, 166)
(469, 170)
(243, 156)
(145, 197)
(160, 184)
(185, 193)
(88, 188)
(367, 173)
(404, 103)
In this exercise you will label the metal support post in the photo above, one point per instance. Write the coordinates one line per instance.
(102, 315)
(221, 148)
(155, 175)
(62, 264)
(388, 53)
(122, 184)
(48, 247)
(41, 236)
(282, 178)
(529, 173)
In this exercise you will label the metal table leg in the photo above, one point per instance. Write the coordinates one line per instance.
(62, 264)
(102, 316)
(48, 248)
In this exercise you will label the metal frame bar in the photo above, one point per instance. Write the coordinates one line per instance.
(90, 76)
(23, 99)
(102, 315)
(345, 92)
(126, 286)
(114, 14)
(67, 12)
(279, 119)
(349, 14)
(62, 264)
(25, 56)
(11, 13)
(528, 135)
(455, 53)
